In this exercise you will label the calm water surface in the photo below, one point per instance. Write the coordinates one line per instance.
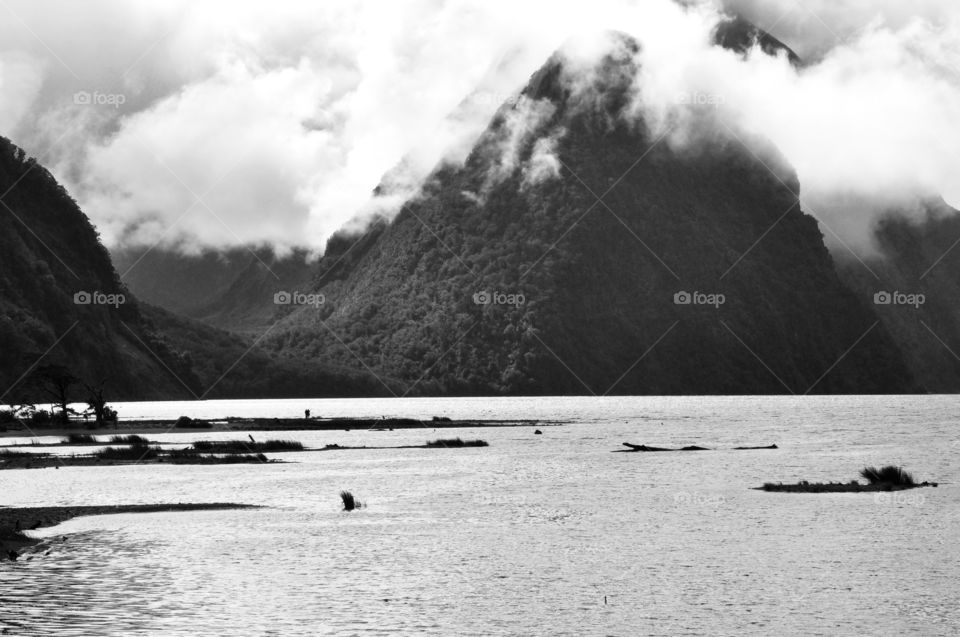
(535, 535)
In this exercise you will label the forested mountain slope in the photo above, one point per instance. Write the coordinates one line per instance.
(599, 280)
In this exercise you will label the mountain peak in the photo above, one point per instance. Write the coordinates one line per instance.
(553, 260)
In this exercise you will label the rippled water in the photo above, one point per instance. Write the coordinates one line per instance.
(535, 535)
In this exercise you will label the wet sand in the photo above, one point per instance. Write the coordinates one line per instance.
(27, 518)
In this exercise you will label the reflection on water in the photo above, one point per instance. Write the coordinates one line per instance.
(535, 535)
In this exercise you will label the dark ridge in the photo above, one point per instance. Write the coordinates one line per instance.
(740, 35)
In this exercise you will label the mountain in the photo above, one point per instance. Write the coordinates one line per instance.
(178, 282)
(64, 308)
(232, 289)
(559, 259)
(916, 279)
(61, 302)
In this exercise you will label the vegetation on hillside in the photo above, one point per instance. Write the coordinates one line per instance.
(427, 303)
(50, 254)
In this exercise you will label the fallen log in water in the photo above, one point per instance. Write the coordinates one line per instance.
(631, 448)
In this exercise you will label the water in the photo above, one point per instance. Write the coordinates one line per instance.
(534, 535)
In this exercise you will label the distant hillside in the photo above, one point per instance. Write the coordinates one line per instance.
(227, 365)
(180, 283)
(508, 276)
(232, 290)
(49, 253)
(247, 305)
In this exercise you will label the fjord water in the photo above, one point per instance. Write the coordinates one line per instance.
(535, 535)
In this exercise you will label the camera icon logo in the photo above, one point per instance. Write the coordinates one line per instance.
(482, 298)
(82, 298)
(83, 98)
(883, 298)
(682, 298)
(282, 298)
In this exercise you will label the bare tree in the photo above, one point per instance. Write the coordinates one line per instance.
(56, 381)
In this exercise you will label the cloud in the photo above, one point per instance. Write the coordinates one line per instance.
(521, 122)
(284, 119)
(870, 127)
(21, 77)
(223, 162)
(814, 27)
(544, 164)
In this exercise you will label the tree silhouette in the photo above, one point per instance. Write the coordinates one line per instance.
(55, 381)
(97, 404)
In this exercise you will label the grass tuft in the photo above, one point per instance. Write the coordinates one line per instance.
(129, 440)
(80, 439)
(349, 502)
(888, 475)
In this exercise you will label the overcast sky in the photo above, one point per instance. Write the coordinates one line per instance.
(218, 123)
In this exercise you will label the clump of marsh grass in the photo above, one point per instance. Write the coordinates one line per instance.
(242, 446)
(80, 439)
(133, 452)
(190, 456)
(186, 422)
(456, 442)
(129, 440)
(887, 475)
(349, 502)
(12, 453)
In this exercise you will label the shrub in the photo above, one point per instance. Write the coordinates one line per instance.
(185, 422)
(41, 417)
(888, 475)
(7, 417)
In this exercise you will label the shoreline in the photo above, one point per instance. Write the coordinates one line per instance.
(236, 424)
(30, 518)
(40, 461)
